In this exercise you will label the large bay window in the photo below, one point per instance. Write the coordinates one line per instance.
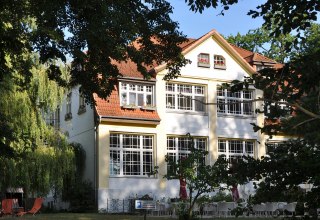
(131, 154)
(134, 94)
(235, 149)
(234, 103)
(178, 147)
(185, 97)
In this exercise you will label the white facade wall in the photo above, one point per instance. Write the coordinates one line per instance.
(81, 129)
(205, 124)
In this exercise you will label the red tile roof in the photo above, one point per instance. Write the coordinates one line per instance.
(251, 57)
(111, 109)
(129, 69)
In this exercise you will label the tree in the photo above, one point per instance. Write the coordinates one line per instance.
(95, 34)
(291, 107)
(37, 158)
(199, 177)
(259, 40)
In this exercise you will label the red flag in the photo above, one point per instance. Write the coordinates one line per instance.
(235, 193)
(183, 189)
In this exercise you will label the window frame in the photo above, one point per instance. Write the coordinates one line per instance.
(177, 153)
(230, 151)
(82, 103)
(126, 150)
(274, 144)
(219, 62)
(243, 104)
(54, 118)
(184, 97)
(126, 88)
(68, 114)
(203, 60)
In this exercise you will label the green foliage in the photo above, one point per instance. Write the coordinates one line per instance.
(222, 196)
(283, 169)
(199, 177)
(38, 172)
(78, 192)
(35, 156)
(94, 34)
(278, 48)
(291, 107)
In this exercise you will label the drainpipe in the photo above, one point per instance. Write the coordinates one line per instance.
(96, 145)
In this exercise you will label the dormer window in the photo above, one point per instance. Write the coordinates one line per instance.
(204, 60)
(219, 62)
(134, 95)
(259, 67)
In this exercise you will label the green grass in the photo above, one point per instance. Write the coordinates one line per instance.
(96, 216)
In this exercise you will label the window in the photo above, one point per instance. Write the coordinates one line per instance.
(204, 60)
(234, 103)
(235, 149)
(282, 110)
(68, 115)
(82, 104)
(271, 146)
(185, 97)
(219, 62)
(131, 154)
(54, 118)
(136, 95)
(179, 147)
(259, 67)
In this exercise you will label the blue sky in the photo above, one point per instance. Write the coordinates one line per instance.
(235, 20)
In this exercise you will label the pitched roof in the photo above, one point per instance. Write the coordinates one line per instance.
(192, 43)
(252, 57)
(129, 69)
(111, 110)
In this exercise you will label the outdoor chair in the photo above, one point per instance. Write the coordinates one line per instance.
(7, 207)
(290, 208)
(259, 209)
(224, 208)
(209, 209)
(35, 209)
(158, 210)
(271, 208)
(281, 208)
(196, 209)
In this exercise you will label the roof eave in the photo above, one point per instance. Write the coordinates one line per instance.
(130, 120)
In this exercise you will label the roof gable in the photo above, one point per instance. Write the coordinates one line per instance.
(192, 44)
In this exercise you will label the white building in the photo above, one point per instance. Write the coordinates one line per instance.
(128, 134)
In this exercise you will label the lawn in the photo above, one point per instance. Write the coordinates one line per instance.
(95, 216)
